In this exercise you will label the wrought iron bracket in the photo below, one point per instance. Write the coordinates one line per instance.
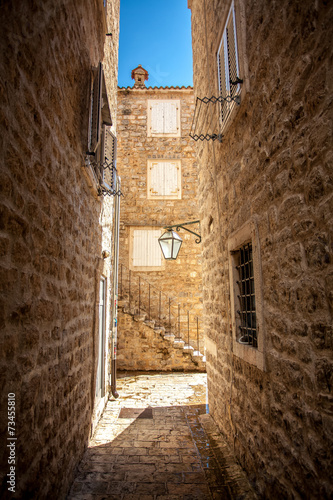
(103, 188)
(182, 226)
(209, 121)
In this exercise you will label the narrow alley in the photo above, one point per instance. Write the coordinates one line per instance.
(158, 441)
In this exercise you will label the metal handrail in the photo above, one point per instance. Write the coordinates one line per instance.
(172, 316)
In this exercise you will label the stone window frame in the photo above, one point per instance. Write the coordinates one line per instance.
(176, 196)
(131, 248)
(248, 233)
(149, 124)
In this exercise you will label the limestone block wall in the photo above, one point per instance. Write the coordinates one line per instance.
(180, 279)
(50, 238)
(273, 173)
(141, 347)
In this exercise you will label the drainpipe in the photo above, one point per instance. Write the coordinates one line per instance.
(115, 292)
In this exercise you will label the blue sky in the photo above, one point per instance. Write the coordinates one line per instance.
(157, 35)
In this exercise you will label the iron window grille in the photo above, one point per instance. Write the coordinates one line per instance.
(246, 297)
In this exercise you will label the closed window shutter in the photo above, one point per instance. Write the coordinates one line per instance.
(170, 179)
(157, 120)
(164, 179)
(154, 257)
(170, 118)
(157, 179)
(146, 250)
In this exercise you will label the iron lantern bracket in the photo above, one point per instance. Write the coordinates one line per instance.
(182, 226)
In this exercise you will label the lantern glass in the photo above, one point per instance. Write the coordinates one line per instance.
(170, 243)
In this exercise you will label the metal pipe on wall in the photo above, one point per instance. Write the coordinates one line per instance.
(115, 292)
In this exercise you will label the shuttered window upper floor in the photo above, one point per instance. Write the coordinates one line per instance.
(164, 179)
(163, 118)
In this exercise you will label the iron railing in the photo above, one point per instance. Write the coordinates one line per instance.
(163, 311)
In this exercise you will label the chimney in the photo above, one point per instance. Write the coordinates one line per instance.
(139, 74)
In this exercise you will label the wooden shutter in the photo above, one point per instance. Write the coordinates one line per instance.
(146, 250)
(170, 179)
(96, 109)
(164, 179)
(156, 179)
(156, 117)
(170, 117)
(232, 53)
(222, 78)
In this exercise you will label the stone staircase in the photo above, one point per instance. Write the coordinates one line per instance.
(177, 354)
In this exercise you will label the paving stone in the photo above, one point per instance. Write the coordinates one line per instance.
(176, 454)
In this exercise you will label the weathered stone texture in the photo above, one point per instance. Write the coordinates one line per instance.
(50, 237)
(180, 279)
(142, 347)
(274, 165)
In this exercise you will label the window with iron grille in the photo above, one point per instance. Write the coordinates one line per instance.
(247, 323)
(246, 294)
(228, 68)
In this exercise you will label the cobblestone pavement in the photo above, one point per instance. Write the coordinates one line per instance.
(157, 441)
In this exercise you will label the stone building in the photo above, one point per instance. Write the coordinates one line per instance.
(158, 168)
(265, 190)
(57, 124)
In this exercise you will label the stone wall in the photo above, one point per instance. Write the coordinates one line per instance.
(144, 347)
(272, 173)
(179, 279)
(50, 237)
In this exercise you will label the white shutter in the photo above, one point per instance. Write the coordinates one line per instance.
(223, 77)
(154, 252)
(170, 179)
(232, 53)
(146, 250)
(156, 117)
(170, 118)
(164, 179)
(157, 179)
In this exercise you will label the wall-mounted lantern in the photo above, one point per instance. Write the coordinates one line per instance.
(170, 242)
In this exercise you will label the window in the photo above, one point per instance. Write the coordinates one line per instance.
(145, 252)
(246, 294)
(102, 144)
(164, 179)
(246, 298)
(228, 68)
(163, 118)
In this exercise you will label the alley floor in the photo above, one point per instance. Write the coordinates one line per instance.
(158, 441)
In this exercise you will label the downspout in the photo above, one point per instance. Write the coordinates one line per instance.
(115, 292)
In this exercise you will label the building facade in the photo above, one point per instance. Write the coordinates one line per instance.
(58, 100)
(158, 168)
(263, 128)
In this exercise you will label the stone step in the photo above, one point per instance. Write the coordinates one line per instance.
(178, 343)
(140, 317)
(169, 336)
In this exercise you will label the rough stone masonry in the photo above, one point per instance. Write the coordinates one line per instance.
(50, 235)
(269, 184)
